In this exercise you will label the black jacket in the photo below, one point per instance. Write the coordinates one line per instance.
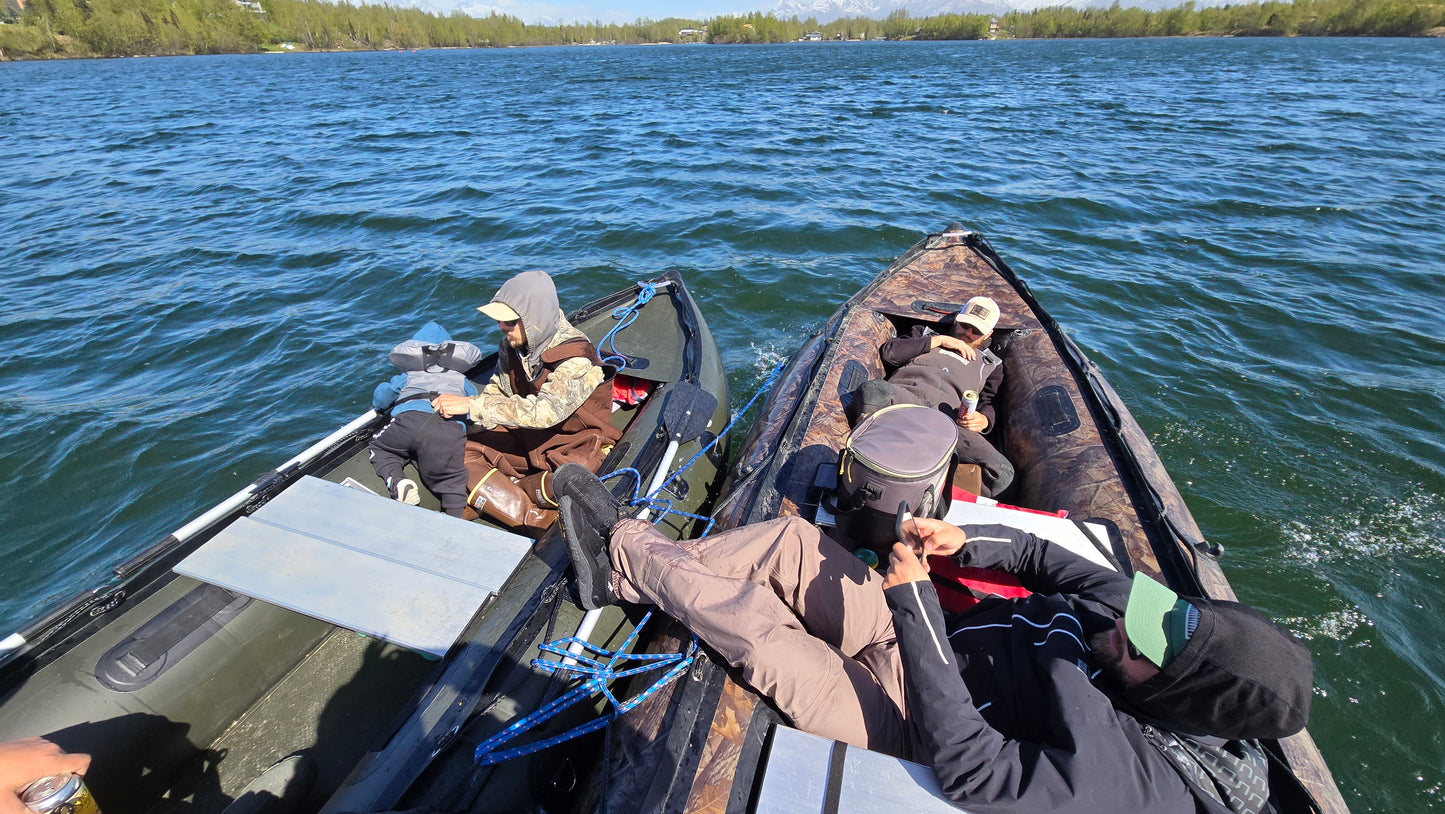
(935, 387)
(1002, 700)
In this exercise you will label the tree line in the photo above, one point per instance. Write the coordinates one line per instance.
(76, 28)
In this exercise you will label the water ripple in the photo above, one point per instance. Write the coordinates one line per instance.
(1246, 235)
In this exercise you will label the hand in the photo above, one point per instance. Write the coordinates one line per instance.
(450, 406)
(933, 538)
(976, 421)
(24, 761)
(954, 344)
(904, 566)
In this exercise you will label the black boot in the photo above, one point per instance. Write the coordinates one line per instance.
(587, 513)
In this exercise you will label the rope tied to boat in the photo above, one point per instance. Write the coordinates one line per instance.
(598, 673)
(664, 507)
(625, 316)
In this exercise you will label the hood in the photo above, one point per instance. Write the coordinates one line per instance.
(432, 334)
(533, 295)
(431, 349)
(1239, 677)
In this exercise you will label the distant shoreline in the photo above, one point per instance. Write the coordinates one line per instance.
(66, 29)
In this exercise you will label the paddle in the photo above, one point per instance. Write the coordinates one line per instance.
(685, 416)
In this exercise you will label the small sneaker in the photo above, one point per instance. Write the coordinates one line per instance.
(587, 512)
(407, 492)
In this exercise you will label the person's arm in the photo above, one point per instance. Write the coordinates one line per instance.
(1042, 566)
(498, 384)
(385, 393)
(24, 761)
(986, 396)
(897, 351)
(569, 385)
(1088, 764)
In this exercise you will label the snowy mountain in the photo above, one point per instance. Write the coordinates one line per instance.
(826, 10)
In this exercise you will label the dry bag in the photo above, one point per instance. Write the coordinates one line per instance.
(896, 459)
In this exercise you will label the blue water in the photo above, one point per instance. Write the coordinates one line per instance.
(203, 261)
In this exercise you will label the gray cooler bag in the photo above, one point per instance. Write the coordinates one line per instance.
(896, 460)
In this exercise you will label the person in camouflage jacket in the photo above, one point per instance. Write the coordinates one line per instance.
(548, 403)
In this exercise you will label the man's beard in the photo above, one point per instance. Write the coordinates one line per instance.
(1109, 661)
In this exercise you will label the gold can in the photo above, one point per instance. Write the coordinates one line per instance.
(59, 794)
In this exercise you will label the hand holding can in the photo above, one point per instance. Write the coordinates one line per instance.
(970, 403)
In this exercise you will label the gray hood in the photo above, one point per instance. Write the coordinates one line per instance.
(533, 295)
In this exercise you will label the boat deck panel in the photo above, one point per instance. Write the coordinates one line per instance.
(404, 574)
(804, 771)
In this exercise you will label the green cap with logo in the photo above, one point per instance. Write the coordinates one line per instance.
(1157, 621)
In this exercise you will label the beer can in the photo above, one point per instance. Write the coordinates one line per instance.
(59, 794)
(970, 402)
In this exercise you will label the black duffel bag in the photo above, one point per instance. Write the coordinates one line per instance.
(896, 461)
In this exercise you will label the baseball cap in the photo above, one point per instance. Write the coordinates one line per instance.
(499, 311)
(981, 313)
(1157, 621)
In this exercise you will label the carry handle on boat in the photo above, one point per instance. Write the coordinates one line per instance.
(686, 413)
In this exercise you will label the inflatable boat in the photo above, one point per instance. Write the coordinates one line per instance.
(710, 744)
(312, 644)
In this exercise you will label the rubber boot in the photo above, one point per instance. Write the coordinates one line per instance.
(538, 487)
(495, 496)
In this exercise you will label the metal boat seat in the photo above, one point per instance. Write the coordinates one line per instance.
(399, 573)
(806, 773)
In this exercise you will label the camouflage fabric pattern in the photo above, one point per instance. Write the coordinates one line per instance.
(565, 390)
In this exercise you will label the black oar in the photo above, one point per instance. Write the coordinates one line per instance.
(685, 416)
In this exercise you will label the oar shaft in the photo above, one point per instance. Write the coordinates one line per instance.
(589, 619)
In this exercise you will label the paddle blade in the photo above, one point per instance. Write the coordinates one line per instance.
(687, 411)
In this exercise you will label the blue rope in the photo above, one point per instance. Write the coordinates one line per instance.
(660, 507)
(626, 315)
(598, 674)
(767, 385)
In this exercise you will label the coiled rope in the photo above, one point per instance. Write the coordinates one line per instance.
(599, 672)
(625, 316)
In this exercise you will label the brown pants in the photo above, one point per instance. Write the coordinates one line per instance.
(509, 452)
(496, 449)
(804, 620)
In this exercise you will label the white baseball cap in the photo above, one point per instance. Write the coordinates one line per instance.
(981, 313)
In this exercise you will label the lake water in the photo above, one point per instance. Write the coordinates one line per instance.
(204, 260)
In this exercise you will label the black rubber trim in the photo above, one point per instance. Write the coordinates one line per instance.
(835, 777)
(748, 777)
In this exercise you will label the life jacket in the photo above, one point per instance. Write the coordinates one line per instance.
(1230, 777)
(434, 368)
(580, 438)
